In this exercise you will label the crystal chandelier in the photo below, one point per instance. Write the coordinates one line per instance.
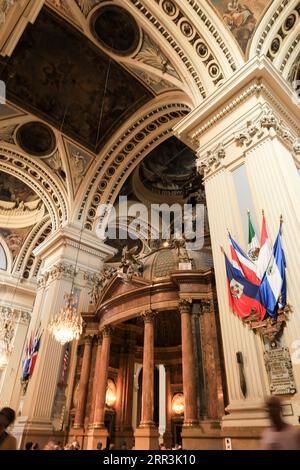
(67, 325)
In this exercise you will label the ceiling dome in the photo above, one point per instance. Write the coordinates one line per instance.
(162, 263)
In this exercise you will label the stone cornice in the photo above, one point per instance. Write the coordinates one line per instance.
(71, 235)
(258, 76)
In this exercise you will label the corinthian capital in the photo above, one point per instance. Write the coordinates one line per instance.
(148, 315)
(185, 305)
(212, 161)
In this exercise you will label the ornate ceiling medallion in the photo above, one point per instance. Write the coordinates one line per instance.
(36, 138)
(115, 29)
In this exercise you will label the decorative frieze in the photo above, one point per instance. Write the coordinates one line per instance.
(212, 161)
(255, 130)
(58, 271)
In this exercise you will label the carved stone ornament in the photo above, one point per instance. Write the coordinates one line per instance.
(58, 271)
(148, 315)
(130, 263)
(255, 130)
(212, 161)
(269, 329)
(99, 281)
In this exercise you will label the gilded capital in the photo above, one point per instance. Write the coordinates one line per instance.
(106, 331)
(184, 305)
(148, 315)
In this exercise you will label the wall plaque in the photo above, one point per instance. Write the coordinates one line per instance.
(279, 367)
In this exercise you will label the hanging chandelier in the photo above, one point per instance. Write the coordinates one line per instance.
(68, 324)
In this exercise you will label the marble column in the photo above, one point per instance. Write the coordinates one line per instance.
(146, 435)
(97, 372)
(83, 383)
(168, 432)
(188, 366)
(98, 432)
(102, 380)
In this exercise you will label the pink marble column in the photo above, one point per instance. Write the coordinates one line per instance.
(148, 370)
(188, 365)
(97, 373)
(102, 379)
(83, 383)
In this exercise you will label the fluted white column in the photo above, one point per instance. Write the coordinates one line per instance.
(275, 181)
(223, 213)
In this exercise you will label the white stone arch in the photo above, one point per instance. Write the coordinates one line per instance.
(23, 261)
(144, 130)
(268, 31)
(38, 178)
(7, 254)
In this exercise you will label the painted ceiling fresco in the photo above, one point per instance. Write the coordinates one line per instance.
(14, 190)
(59, 75)
(15, 195)
(169, 168)
(241, 17)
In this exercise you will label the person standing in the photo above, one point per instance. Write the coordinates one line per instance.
(281, 435)
(7, 441)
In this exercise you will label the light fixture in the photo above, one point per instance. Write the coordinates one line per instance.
(111, 393)
(68, 324)
(178, 404)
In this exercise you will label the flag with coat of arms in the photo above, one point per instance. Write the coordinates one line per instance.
(258, 285)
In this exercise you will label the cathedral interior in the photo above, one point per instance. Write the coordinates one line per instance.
(126, 335)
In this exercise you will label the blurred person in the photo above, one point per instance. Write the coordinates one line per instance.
(99, 446)
(50, 445)
(28, 446)
(7, 441)
(112, 446)
(124, 446)
(35, 446)
(281, 435)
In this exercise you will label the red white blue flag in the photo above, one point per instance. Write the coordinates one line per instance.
(34, 353)
(242, 262)
(243, 295)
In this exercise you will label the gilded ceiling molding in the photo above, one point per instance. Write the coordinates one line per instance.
(27, 264)
(288, 60)
(14, 17)
(174, 44)
(211, 28)
(37, 178)
(278, 25)
(109, 196)
(120, 151)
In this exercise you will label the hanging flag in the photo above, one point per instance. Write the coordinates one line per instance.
(273, 286)
(242, 263)
(265, 252)
(65, 364)
(26, 360)
(242, 294)
(253, 245)
(34, 353)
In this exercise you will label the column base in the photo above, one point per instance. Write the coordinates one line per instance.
(77, 433)
(36, 431)
(126, 435)
(146, 437)
(95, 435)
(204, 437)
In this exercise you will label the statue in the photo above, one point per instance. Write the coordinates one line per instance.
(99, 282)
(130, 264)
(182, 253)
